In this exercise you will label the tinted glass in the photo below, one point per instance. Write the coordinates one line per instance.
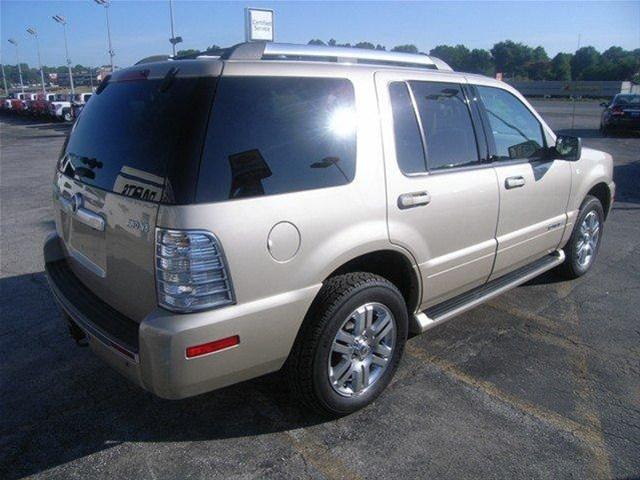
(446, 121)
(517, 133)
(142, 138)
(271, 135)
(627, 100)
(409, 151)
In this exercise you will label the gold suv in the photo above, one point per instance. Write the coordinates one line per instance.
(271, 205)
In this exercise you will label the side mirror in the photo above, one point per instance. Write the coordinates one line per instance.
(568, 147)
(604, 104)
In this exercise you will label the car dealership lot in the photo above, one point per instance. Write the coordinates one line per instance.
(541, 382)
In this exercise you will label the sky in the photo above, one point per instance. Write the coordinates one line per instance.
(141, 28)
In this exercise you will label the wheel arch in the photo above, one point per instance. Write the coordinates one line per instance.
(603, 193)
(396, 266)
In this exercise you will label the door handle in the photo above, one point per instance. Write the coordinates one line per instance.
(415, 199)
(514, 182)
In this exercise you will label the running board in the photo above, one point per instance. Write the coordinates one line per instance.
(448, 309)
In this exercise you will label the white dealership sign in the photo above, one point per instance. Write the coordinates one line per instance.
(258, 23)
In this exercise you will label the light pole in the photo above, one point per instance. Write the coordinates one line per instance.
(62, 21)
(14, 43)
(4, 77)
(173, 40)
(32, 31)
(105, 4)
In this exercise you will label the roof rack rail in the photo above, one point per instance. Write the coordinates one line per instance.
(290, 51)
(268, 50)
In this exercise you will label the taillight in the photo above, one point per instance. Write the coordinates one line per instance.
(191, 271)
(617, 111)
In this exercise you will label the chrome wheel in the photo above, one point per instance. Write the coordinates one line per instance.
(362, 349)
(588, 241)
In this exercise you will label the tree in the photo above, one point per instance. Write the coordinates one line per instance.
(510, 58)
(367, 45)
(457, 57)
(585, 60)
(410, 48)
(316, 41)
(189, 51)
(561, 67)
(480, 61)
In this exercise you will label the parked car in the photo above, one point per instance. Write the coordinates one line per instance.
(79, 102)
(60, 108)
(18, 105)
(623, 113)
(5, 105)
(285, 211)
(42, 106)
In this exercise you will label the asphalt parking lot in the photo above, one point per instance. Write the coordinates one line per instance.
(543, 382)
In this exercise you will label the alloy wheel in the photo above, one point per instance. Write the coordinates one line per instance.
(362, 349)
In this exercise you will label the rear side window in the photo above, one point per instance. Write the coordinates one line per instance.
(409, 151)
(272, 135)
(142, 138)
(446, 122)
(516, 131)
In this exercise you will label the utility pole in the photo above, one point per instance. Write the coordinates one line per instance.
(32, 31)
(15, 44)
(105, 4)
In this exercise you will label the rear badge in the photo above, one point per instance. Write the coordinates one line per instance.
(138, 225)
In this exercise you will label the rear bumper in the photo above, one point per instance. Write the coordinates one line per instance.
(152, 354)
(623, 123)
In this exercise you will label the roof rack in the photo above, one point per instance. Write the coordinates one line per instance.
(290, 51)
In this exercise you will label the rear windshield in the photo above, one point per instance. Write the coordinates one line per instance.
(274, 135)
(631, 100)
(142, 138)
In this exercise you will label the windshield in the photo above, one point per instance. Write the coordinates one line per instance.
(142, 138)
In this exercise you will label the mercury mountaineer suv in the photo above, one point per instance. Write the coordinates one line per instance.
(306, 207)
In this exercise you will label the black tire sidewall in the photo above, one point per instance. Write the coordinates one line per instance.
(331, 400)
(589, 205)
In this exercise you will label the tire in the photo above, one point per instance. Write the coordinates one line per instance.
(580, 257)
(316, 371)
(67, 116)
(604, 131)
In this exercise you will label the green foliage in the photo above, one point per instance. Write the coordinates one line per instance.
(405, 48)
(514, 60)
(457, 57)
(188, 51)
(561, 67)
(586, 59)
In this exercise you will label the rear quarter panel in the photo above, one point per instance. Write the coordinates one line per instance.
(335, 224)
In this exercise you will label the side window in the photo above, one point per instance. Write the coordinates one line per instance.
(446, 122)
(273, 135)
(409, 151)
(516, 131)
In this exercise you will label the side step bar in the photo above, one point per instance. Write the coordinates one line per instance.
(448, 309)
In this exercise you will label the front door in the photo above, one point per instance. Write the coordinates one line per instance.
(442, 199)
(534, 186)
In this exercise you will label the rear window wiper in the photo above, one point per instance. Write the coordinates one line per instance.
(167, 81)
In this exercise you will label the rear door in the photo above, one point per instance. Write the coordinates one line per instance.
(534, 186)
(442, 199)
(137, 144)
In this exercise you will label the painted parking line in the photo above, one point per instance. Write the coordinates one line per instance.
(586, 433)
